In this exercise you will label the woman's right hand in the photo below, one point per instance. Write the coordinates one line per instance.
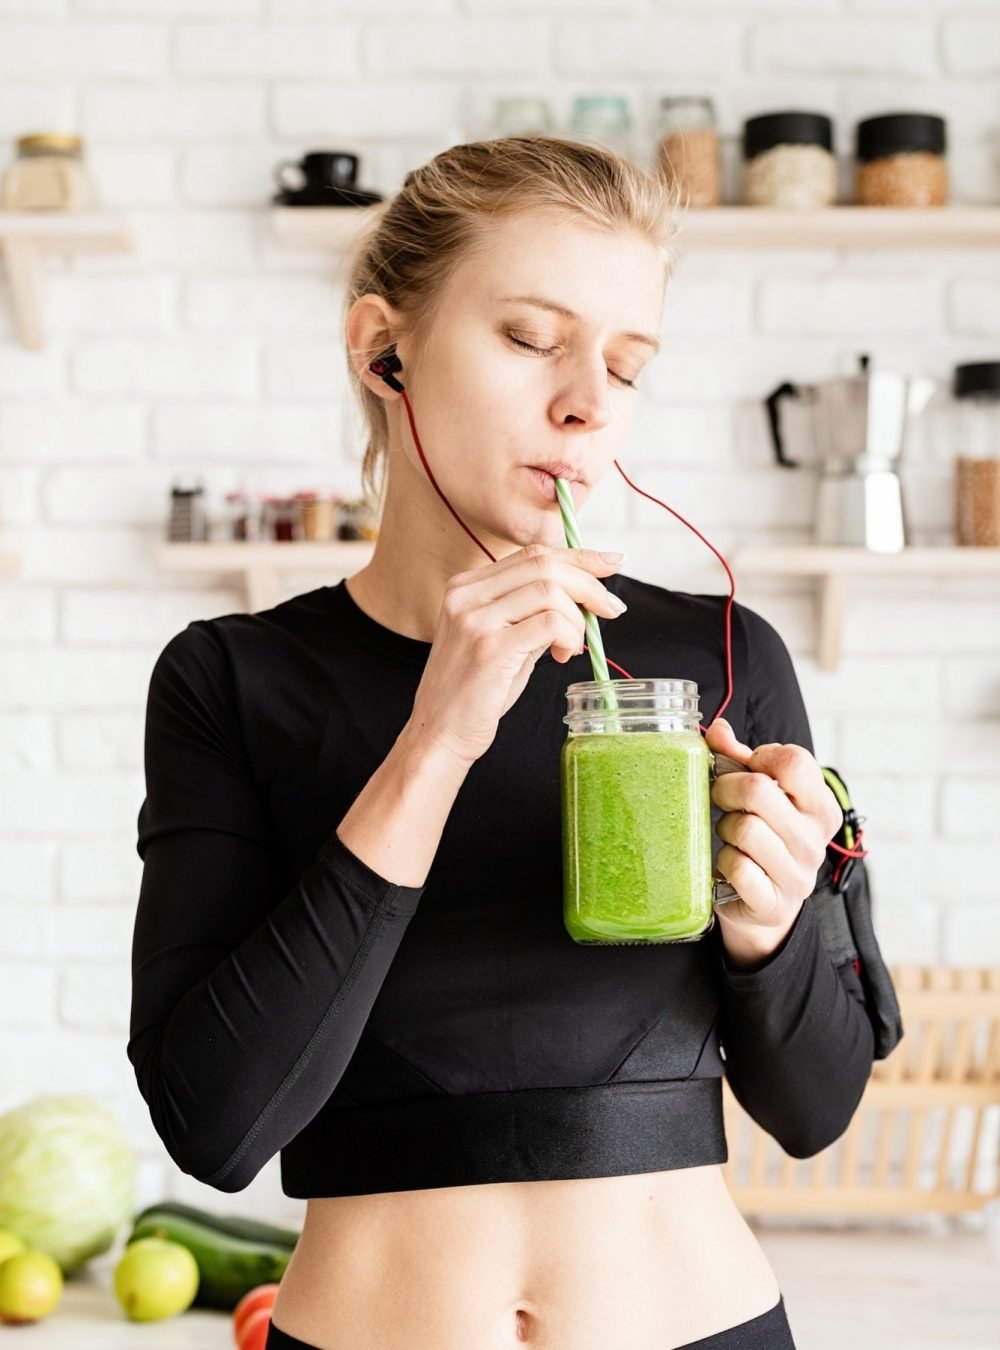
(494, 624)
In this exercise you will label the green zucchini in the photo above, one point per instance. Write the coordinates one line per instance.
(230, 1263)
(252, 1230)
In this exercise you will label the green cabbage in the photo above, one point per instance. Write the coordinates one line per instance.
(67, 1177)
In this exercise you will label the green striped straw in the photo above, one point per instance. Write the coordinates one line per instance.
(595, 643)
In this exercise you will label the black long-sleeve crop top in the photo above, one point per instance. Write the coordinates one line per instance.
(286, 998)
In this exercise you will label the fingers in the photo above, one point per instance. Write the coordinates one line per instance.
(758, 795)
(551, 568)
(748, 836)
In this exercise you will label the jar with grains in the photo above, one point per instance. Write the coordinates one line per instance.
(47, 175)
(977, 465)
(687, 150)
(901, 161)
(789, 162)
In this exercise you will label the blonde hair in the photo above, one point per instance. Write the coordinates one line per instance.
(443, 211)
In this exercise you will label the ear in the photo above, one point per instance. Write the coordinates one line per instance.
(371, 326)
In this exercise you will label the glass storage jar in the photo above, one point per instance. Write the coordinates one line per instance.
(976, 391)
(47, 175)
(635, 780)
(687, 149)
(901, 161)
(789, 162)
(603, 120)
(522, 116)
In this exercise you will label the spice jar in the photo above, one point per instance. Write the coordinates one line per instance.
(789, 161)
(976, 389)
(687, 150)
(282, 519)
(242, 517)
(357, 520)
(47, 175)
(317, 515)
(901, 161)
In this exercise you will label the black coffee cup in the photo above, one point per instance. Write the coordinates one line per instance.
(322, 169)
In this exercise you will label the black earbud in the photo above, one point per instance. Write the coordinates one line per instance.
(384, 365)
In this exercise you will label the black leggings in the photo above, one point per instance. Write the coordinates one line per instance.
(770, 1331)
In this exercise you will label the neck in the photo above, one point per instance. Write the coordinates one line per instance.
(419, 547)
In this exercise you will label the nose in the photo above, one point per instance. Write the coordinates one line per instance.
(584, 399)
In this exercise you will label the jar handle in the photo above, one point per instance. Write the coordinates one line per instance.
(722, 891)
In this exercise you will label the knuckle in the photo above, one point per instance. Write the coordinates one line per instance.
(547, 589)
(758, 791)
(538, 553)
(744, 831)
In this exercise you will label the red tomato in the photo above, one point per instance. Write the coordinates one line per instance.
(253, 1333)
(262, 1296)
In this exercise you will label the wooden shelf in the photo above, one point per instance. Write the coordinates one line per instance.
(27, 236)
(833, 566)
(262, 563)
(334, 228)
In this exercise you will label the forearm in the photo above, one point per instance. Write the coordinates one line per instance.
(798, 1044)
(396, 822)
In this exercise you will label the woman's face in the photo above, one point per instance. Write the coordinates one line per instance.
(487, 408)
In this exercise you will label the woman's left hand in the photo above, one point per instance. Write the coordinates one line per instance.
(778, 820)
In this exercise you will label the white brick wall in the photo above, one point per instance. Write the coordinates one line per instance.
(214, 349)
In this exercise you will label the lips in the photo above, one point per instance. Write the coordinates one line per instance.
(560, 469)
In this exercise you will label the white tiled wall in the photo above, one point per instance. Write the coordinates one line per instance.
(214, 349)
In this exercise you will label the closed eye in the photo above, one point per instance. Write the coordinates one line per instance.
(547, 351)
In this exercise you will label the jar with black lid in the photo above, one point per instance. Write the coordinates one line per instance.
(789, 162)
(901, 161)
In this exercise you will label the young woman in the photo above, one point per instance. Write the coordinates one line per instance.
(349, 945)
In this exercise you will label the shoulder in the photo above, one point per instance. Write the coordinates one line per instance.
(222, 665)
(702, 613)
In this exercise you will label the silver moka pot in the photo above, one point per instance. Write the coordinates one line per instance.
(860, 425)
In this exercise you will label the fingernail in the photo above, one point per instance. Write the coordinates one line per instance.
(613, 557)
(616, 604)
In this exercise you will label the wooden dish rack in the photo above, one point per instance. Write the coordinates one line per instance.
(926, 1134)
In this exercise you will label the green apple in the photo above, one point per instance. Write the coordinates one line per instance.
(30, 1286)
(155, 1278)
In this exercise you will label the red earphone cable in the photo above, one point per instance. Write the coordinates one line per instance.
(732, 581)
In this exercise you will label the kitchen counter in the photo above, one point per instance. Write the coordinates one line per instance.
(885, 1290)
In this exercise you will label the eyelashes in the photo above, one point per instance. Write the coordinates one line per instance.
(547, 351)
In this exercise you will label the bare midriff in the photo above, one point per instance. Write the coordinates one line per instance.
(649, 1261)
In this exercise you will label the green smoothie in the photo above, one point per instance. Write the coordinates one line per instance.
(636, 830)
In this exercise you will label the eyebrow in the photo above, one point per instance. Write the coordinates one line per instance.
(543, 303)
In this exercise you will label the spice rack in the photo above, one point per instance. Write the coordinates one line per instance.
(833, 568)
(26, 237)
(334, 228)
(262, 564)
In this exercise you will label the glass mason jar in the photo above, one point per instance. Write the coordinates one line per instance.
(976, 389)
(901, 160)
(635, 778)
(788, 161)
(687, 149)
(48, 174)
(603, 120)
(522, 116)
